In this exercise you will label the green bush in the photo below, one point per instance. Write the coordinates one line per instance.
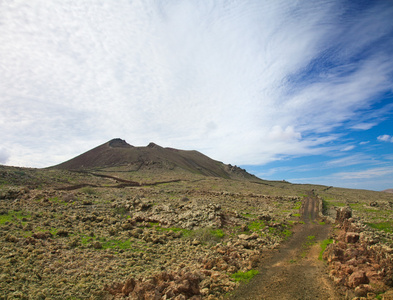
(218, 233)
(244, 276)
(12, 216)
(256, 225)
(286, 233)
(298, 205)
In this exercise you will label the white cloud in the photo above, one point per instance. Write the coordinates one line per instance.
(289, 133)
(243, 82)
(4, 155)
(348, 148)
(385, 138)
(364, 126)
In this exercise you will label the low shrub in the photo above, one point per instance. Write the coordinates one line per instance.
(207, 235)
(244, 276)
(256, 226)
(88, 190)
(13, 216)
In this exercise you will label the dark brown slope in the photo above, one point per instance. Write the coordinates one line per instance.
(117, 153)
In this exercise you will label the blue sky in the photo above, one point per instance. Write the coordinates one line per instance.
(294, 90)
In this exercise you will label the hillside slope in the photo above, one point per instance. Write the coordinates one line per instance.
(118, 153)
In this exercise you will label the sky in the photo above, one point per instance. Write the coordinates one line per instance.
(289, 90)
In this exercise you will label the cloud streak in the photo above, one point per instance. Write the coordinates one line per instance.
(385, 138)
(370, 173)
(245, 83)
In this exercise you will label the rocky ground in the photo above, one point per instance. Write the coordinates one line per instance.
(168, 240)
(360, 261)
(67, 235)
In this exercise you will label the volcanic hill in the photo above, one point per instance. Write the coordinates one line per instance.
(117, 153)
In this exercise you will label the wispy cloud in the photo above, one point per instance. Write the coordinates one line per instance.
(363, 126)
(370, 173)
(385, 138)
(356, 159)
(348, 148)
(244, 82)
(389, 157)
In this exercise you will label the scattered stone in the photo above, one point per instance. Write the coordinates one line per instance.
(388, 295)
(352, 237)
(357, 278)
(243, 236)
(11, 238)
(244, 227)
(42, 235)
(62, 233)
(97, 245)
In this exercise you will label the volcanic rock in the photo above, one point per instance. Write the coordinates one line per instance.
(358, 278)
(343, 213)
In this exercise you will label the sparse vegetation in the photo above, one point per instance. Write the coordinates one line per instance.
(186, 233)
(218, 233)
(256, 226)
(309, 242)
(286, 233)
(13, 216)
(298, 205)
(324, 244)
(208, 236)
(244, 276)
(385, 226)
(89, 190)
(53, 222)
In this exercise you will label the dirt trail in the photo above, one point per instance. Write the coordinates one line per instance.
(294, 271)
(124, 182)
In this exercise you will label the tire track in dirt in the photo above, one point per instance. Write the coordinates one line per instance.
(294, 271)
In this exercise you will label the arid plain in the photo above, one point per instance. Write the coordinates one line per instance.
(162, 223)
